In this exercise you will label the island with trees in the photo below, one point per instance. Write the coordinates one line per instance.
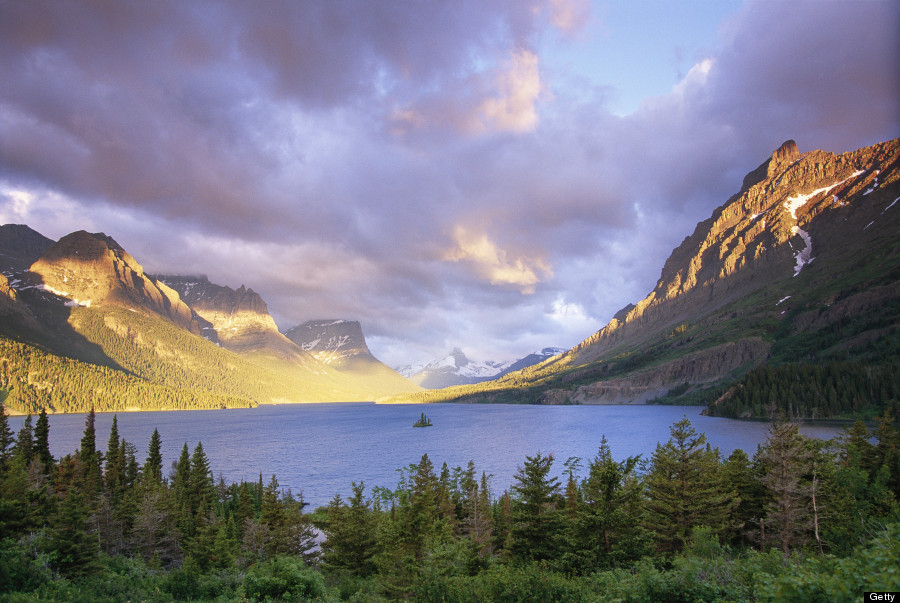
(423, 421)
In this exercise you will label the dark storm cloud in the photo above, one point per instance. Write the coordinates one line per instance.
(411, 165)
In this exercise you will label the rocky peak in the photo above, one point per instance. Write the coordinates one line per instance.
(93, 269)
(237, 319)
(333, 342)
(781, 157)
(788, 151)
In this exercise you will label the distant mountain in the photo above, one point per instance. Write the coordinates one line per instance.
(332, 342)
(20, 247)
(457, 369)
(799, 269)
(340, 344)
(236, 319)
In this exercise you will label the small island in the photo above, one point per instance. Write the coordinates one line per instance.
(423, 421)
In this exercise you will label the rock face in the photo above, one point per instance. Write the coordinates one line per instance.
(236, 319)
(337, 343)
(92, 269)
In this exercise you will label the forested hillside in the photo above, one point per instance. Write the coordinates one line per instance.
(800, 520)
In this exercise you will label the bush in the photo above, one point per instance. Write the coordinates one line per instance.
(284, 578)
(19, 571)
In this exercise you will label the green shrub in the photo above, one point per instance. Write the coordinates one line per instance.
(283, 578)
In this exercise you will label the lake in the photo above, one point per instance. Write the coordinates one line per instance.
(319, 449)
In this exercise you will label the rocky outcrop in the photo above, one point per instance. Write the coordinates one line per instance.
(711, 364)
(236, 319)
(336, 343)
(92, 269)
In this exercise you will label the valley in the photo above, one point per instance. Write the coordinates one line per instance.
(799, 269)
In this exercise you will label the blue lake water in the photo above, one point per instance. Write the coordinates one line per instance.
(319, 449)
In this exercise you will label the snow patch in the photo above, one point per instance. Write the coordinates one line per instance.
(890, 206)
(869, 224)
(782, 300)
(792, 204)
(804, 256)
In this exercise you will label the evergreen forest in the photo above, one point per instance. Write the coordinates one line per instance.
(799, 520)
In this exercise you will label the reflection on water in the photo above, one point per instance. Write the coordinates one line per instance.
(319, 449)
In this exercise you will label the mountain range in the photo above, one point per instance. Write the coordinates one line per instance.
(788, 291)
(787, 297)
(83, 325)
(457, 369)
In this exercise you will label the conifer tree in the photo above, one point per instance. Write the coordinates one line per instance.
(786, 460)
(90, 458)
(537, 519)
(42, 442)
(152, 470)
(24, 446)
(685, 489)
(608, 523)
(351, 543)
(741, 476)
(202, 485)
(6, 440)
(114, 468)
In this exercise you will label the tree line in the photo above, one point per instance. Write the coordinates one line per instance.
(836, 389)
(801, 518)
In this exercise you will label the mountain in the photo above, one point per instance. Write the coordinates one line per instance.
(340, 344)
(799, 268)
(239, 320)
(88, 269)
(457, 369)
(85, 327)
(332, 342)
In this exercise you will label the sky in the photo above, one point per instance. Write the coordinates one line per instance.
(492, 175)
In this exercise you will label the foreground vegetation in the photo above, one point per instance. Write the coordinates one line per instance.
(801, 520)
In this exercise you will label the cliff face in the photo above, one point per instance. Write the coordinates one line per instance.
(92, 269)
(332, 342)
(791, 210)
(236, 319)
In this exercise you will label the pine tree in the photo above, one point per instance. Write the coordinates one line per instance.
(90, 458)
(537, 519)
(152, 470)
(608, 522)
(42, 442)
(24, 447)
(202, 486)
(685, 489)
(741, 476)
(6, 440)
(351, 541)
(786, 461)
(114, 468)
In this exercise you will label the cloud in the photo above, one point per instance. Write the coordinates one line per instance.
(425, 168)
(569, 15)
(519, 89)
(494, 264)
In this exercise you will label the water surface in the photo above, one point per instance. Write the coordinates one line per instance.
(319, 449)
